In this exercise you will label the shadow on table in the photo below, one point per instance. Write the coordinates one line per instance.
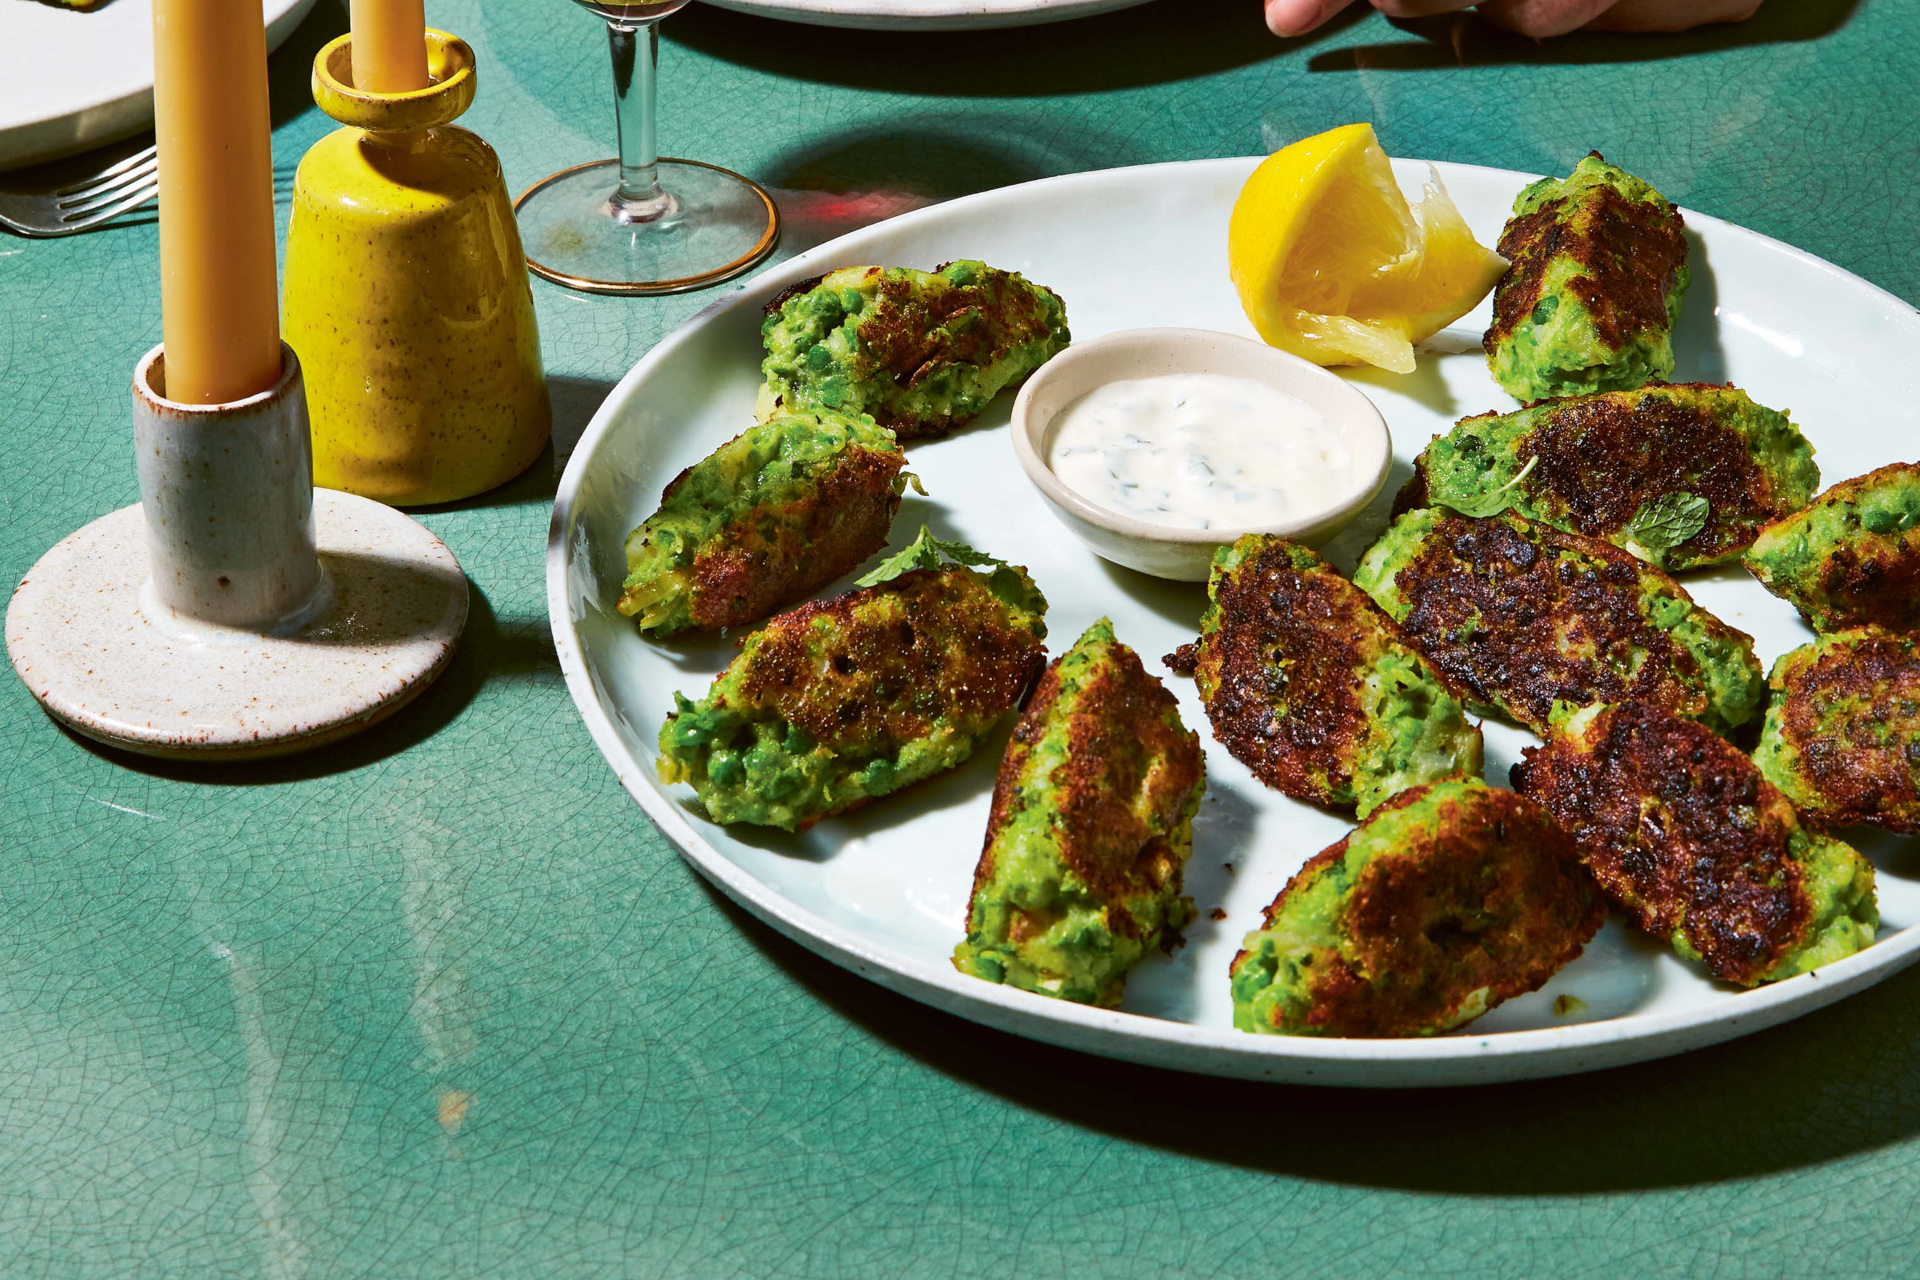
(290, 67)
(1465, 39)
(838, 184)
(1151, 44)
(575, 400)
(1831, 1084)
(487, 651)
(937, 157)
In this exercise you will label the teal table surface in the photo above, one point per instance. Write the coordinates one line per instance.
(441, 1002)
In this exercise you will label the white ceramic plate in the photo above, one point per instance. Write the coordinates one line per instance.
(925, 15)
(884, 892)
(70, 81)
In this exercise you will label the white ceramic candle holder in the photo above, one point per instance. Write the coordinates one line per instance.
(236, 611)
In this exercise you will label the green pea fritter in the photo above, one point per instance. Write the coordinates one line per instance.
(775, 513)
(1091, 827)
(1852, 558)
(1448, 900)
(1842, 734)
(1686, 836)
(1682, 475)
(838, 702)
(1522, 616)
(921, 351)
(1599, 269)
(1313, 688)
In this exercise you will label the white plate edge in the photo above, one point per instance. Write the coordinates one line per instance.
(1628, 1038)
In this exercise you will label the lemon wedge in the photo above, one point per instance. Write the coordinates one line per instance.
(1331, 263)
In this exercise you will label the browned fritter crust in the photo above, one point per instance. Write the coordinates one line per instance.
(907, 334)
(1602, 457)
(1864, 580)
(1414, 494)
(1006, 784)
(1591, 449)
(794, 290)
(1491, 606)
(1630, 251)
(1490, 895)
(975, 664)
(786, 553)
(1843, 718)
(1874, 589)
(1328, 630)
(1681, 831)
(1126, 756)
(1507, 923)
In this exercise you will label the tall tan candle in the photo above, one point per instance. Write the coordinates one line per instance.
(389, 45)
(218, 301)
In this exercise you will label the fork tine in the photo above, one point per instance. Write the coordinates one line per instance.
(146, 157)
(93, 218)
(109, 192)
(107, 186)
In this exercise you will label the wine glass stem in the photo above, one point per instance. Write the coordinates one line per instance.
(636, 62)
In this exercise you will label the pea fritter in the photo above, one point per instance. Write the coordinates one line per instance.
(1313, 688)
(777, 512)
(1091, 827)
(839, 702)
(1685, 836)
(1449, 900)
(1522, 616)
(1599, 270)
(1842, 735)
(1682, 475)
(1852, 558)
(922, 352)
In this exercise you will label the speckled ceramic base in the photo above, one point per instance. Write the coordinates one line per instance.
(104, 657)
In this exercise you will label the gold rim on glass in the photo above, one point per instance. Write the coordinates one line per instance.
(586, 284)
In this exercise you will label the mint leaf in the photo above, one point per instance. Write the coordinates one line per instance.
(926, 552)
(1492, 503)
(1665, 522)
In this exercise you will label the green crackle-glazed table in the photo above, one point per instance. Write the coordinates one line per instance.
(440, 1001)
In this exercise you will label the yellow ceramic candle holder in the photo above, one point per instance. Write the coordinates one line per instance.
(406, 293)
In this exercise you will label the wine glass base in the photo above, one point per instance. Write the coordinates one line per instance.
(723, 225)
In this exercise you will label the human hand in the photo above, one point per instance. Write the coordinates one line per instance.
(1537, 18)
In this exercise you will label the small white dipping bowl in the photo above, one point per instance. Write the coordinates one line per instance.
(1184, 554)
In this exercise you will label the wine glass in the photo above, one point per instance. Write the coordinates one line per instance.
(644, 223)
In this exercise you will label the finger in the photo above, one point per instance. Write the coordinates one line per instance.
(1543, 18)
(1297, 17)
(1672, 15)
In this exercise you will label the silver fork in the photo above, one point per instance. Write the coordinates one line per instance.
(30, 206)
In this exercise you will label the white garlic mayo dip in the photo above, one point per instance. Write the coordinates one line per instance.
(1200, 451)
